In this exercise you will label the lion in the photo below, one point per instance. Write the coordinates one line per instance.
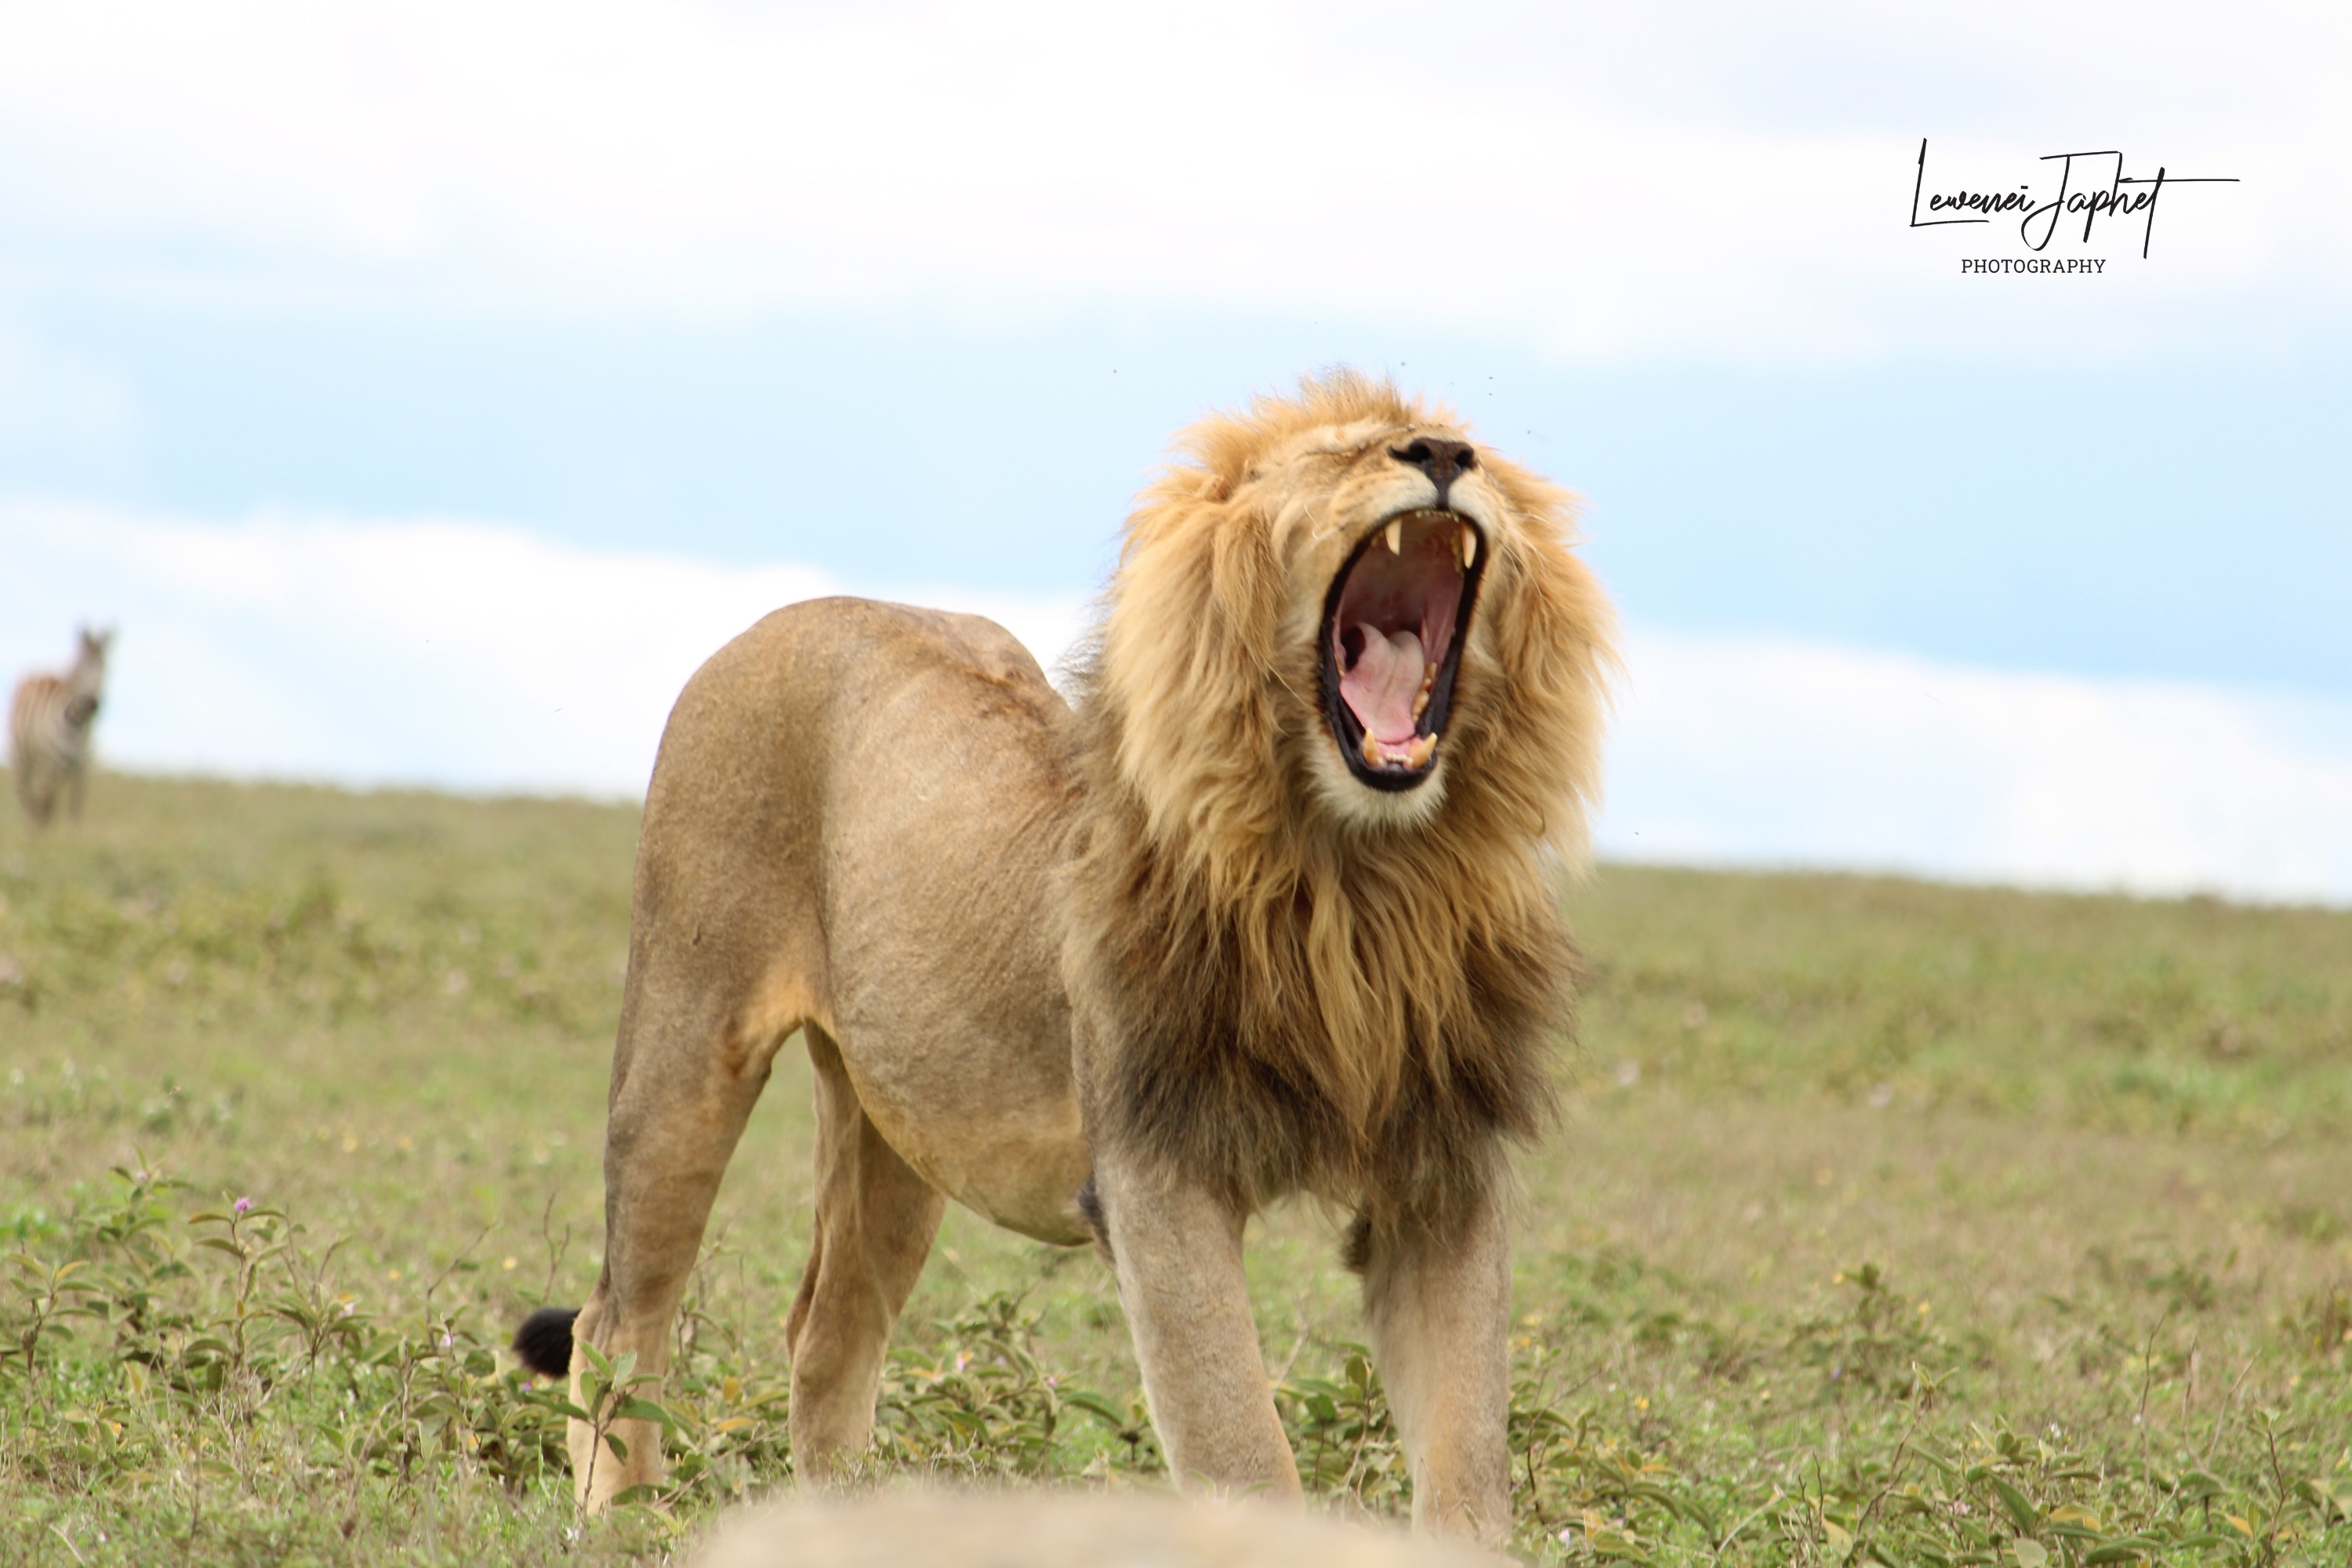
(1268, 907)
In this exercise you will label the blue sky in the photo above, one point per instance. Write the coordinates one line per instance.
(909, 298)
(2177, 515)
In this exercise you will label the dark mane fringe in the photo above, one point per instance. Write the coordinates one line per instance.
(1222, 1076)
(1225, 1072)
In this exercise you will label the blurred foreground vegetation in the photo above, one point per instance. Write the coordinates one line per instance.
(1889, 1222)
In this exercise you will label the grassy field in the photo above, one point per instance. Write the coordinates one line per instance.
(1888, 1222)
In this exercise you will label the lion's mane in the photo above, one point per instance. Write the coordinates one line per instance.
(1292, 998)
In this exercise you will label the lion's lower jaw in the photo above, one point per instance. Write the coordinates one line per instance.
(1358, 804)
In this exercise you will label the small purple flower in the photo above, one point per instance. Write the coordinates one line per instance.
(243, 1205)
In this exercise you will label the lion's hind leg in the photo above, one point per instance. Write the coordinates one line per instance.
(875, 1221)
(688, 1071)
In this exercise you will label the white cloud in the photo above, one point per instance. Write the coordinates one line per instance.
(1611, 178)
(1780, 752)
(439, 652)
(461, 653)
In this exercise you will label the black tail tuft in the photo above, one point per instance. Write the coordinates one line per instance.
(544, 1340)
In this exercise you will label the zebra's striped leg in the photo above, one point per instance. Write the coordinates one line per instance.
(36, 787)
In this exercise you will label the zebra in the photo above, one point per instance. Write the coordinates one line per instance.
(48, 728)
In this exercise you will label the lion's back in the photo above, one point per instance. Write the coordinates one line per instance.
(889, 691)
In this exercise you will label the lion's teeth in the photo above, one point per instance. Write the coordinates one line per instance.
(1421, 703)
(1372, 752)
(1395, 533)
(1420, 753)
(1469, 546)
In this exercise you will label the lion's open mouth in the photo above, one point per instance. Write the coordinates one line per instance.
(1393, 625)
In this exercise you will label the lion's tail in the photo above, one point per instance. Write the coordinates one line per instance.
(544, 1340)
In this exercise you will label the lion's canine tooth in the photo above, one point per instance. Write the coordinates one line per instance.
(1371, 750)
(1420, 753)
(1395, 532)
(1469, 546)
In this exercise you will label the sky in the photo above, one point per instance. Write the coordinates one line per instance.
(424, 389)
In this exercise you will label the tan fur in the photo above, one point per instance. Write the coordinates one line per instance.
(1165, 942)
(1044, 1529)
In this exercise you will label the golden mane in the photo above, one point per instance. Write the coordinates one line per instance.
(1305, 994)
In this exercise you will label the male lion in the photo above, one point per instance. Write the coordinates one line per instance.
(1267, 909)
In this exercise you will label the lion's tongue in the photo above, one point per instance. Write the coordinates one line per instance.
(1383, 683)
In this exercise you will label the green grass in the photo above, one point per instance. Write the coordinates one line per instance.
(1888, 1222)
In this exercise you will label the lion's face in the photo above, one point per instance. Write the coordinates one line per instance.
(1386, 536)
(1351, 603)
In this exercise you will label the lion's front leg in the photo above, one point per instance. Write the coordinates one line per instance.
(1177, 1250)
(1438, 1300)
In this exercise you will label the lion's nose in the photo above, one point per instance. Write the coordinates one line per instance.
(1441, 459)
